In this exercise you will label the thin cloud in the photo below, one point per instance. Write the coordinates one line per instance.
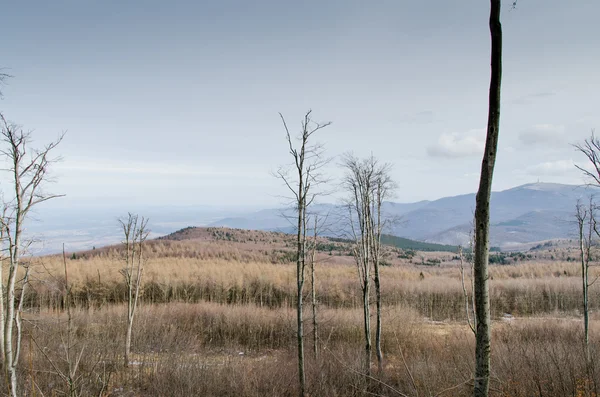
(424, 117)
(457, 145)
(544, 134)
(557, 171)
(552, 168)
(104, 166)
(527, 99)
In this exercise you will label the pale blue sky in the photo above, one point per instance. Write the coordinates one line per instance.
(176, 102)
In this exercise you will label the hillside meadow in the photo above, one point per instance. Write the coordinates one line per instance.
(216, 318)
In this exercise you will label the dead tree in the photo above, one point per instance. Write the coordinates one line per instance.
(3, 78)
(368, 184)
(586, 227)
(382, 188)
(591, 149)
(28, 170)
(319, 223)
(313, 289)
(66, 365)
(72, 358)
(482, 212)
(468, 294)
(357, 182)
(135, 233)
(308, 161)
(586, 219)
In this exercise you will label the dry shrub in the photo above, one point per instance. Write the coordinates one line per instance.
(437, 295)
(246, 350)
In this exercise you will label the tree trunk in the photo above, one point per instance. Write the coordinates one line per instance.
(128, 276)
(586, 316)
(378, 325)
(313, 293)
(2, 313)
(367, 279)
(584, 278)
(300, 287)
(26, 196)
(367, 327)
(307, 162)
(128, 336)
(10, 356)
(376, 234)
(482, 211)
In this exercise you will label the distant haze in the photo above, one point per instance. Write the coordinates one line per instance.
(524, 214)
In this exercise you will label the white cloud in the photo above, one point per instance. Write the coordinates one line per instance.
(457, 145)
(544, 134)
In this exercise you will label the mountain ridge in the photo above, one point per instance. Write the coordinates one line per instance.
(523, 214)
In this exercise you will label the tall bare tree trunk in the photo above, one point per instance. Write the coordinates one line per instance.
(369, 184)
(376, 238)
(28, 173)
(378, 350)
(300, 291)
(3, 238)
(11, 358)
(584, 279)
(313, 290)
(586, 218)
(367, 327)
(135, 233)
(482, 212)
(128, 230)
(308, 161)
(367, 280)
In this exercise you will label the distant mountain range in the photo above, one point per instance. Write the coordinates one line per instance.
(524, 214)
(520, 216)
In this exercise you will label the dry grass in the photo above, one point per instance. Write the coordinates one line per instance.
(228, 350)
(435, 292)
(217, 319)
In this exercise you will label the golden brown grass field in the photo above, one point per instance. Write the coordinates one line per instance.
(217, 318)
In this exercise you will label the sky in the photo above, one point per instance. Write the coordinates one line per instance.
(176, 103)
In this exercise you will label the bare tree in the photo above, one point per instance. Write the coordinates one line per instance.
(591, 149)
(469, 295)
(368, 184)
(586, 221)
(29, 172)
(3, 78)
(319, 223)
(66, 365)
(482, 212)
(308, 161)
(383, 187)
(586, 228)
(313, 289)
(135, 232)
(357, 182)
